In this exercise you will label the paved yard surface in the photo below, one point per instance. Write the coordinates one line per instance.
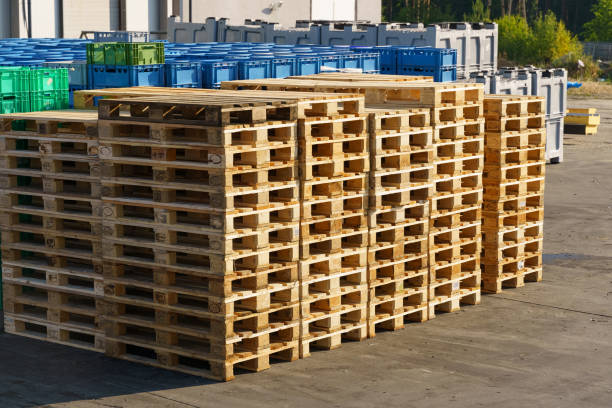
(546, 345)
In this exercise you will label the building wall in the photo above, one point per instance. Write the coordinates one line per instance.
(87, 15)
(291, 10)
(150, 15)
(370, 10)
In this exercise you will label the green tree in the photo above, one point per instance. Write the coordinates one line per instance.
(550, 39)
(600, 27)
(479, 12)
(514, 38)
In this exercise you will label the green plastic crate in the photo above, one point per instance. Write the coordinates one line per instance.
(49, 79)
(14, 80)
(53, 100)
(11, 103)
(125, 53)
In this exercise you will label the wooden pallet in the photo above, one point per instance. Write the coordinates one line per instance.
(447, 295)
(493, 174)
(392, 179)
(384, 120)
(402, 160)
(322, 265)
(350, 76)
(326, 235)
(409, 94)
(515, 156)
(532, 260)
(444, 202)
(458, 130)
(454, 113)
(391, 312)
(493, 253)
(66, 334)
(60, 303)
(499, 236)
(496, 106)
(513, 189)
(60, 123)
(325, 159)
(344, 185)
(182, 342)
(511, 280)
(414, 211)
(333, 309)
(510, 140)
(405, 248)
(308, 103)
(446, 150)
(519, 123)
(515, 203)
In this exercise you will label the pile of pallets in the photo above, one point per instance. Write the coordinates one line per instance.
(455, 235)
(201, 232)
(207, 231)
(513, 215)
(401, 183)
(334, 166)
(51, 227)
(456, 116)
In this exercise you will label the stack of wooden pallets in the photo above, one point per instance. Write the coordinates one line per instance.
(204, 231)
(401, 184)
(512, 220)
(51, 227)
(455, 236)
(201, 232)
(456, 113)
(334, 165)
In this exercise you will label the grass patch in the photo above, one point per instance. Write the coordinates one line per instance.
(592, 89)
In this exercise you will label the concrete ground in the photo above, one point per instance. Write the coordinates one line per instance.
(546, 345)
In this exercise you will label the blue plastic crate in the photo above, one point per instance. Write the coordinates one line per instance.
(115, 76)
(369, 62)
(351, 60)
(282, 67)
(183, 74)
(254, 69)
(330, 60)
(427, 56)
(388, 59)
(215, 71)
(439, 74)
(308, 65)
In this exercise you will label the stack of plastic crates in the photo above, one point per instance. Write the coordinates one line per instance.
(125, 64)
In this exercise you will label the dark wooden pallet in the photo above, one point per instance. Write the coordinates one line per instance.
(209, 110)
(231, 137)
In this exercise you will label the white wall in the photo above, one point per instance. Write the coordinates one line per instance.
(86, 15)
(291, 10)
(333, 10)
(239, 10)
